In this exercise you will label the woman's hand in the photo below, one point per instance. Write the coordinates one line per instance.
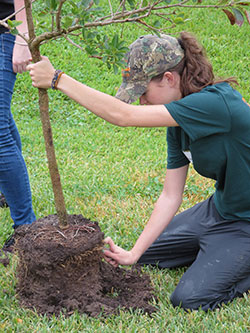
(21, 57)
(115, 255)
(41, 73)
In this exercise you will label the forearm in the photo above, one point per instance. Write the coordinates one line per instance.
(101, 104)
(112, 109)
(21, 54)
(164, 211)
(21, 16)
(105, 106)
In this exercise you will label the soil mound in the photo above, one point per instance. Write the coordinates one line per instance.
(63, 271)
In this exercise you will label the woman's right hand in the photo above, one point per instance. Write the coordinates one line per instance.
(116, 255)
(41, 73)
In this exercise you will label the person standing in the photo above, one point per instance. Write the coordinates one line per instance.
(14, 179)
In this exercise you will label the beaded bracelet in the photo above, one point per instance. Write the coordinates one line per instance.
(56, 78)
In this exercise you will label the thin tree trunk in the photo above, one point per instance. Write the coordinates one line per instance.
(47, 130)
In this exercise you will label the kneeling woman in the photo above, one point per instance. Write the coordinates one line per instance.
(209, 124)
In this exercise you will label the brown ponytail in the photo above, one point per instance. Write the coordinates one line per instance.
(195, 70)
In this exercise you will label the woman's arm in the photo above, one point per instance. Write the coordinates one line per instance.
(114, 110)
(21, 54)
(164, 210)
(101, 104)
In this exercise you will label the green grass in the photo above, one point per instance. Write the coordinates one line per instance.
(114, 175)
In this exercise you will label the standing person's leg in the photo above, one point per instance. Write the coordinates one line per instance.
(14, 180)
(14, 133)
(16, 137)
(178, 245)
(221, 271)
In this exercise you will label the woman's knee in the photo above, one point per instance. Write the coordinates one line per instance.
(185, 297)
(191, 298)
(179, 299)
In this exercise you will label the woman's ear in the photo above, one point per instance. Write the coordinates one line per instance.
(171, 78)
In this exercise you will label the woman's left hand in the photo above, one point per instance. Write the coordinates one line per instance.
(115, 255)
(41, 73)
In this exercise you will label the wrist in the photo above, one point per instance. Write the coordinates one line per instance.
(21, 41)
(55, 80)
(135, 255)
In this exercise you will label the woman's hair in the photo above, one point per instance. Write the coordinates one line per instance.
(195, 70)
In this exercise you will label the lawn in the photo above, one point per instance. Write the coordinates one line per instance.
(114, 175)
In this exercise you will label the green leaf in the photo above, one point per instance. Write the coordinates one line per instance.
(156, 24)
(115, 68)
(123, 49)
(74, 7)
(105, 41)
(51, 4)
(92, 51)
(181, 14)
(91, 34)
(178, 20)
(85, 3)
(14, 31)
(42, 13)
(131, 4)
(115, 41)
(121, 63)
(67, 22)
(105, 59)
(84, 32)
(14, 23)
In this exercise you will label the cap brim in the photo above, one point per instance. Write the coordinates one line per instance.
(129, 92)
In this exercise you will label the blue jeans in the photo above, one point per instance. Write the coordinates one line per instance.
(14, 179)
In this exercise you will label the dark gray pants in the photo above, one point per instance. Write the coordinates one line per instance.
(218, 251)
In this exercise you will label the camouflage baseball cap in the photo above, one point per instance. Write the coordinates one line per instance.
(148, 57)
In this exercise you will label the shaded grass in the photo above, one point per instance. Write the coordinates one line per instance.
(114, 176)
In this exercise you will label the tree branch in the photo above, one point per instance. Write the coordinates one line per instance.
(119, 17)
(72, 42)
(111, 9)
(58, 15)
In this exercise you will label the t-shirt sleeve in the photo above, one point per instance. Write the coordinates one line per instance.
(201, 114)
(176, 158)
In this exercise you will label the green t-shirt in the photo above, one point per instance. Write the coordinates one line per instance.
(215, 128)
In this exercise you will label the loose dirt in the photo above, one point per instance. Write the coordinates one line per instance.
(64, 271)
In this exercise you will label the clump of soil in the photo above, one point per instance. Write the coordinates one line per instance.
(64, 270)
